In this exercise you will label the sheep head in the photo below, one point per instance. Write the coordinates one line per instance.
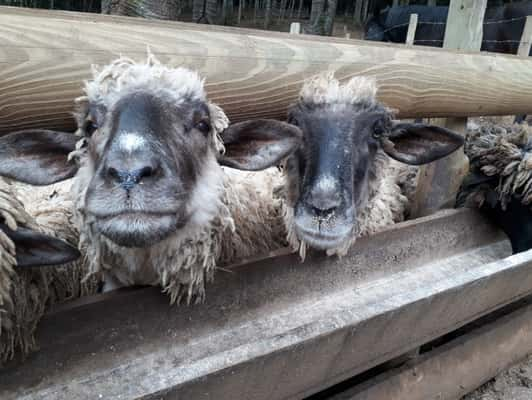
(345, 130)
(148, 153)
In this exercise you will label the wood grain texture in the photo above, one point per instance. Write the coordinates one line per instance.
(45, 55)
(465, 22)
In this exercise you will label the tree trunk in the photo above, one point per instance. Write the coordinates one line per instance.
(225, 6)
(300, 8)
(329, 17)
(292, 7)
(255, 11)
(357, 16)
(267, 14)
(240, 5)
(282, 9)
(163, 9)
(322, 15)
(364, 14)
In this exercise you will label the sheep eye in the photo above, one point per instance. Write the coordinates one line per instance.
(378, 129)
(203, 126)
(90, 128)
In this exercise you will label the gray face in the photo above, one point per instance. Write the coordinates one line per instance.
(331, 172)
(147, 154)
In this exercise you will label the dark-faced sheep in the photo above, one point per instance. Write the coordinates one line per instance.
(341, 182)
(152, 202)
(32, 245)
(500, 179)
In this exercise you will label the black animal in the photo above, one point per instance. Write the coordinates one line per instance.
(391, 25)
(500, 179)
(502, 30)
(503, 26)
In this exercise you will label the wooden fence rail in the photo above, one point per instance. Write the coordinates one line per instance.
(44, 56)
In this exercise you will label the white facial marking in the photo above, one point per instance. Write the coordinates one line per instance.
(130, 142)
(327, 183)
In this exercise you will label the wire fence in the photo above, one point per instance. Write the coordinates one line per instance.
(491, 22)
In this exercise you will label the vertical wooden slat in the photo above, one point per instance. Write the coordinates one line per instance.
(526, 38)
(412, 26)
(439, 182)
(295, 28)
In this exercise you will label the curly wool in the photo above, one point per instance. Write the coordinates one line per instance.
(25, 295)
(502, 151)
(326, 89)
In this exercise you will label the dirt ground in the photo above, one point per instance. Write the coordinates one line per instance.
(513, 384)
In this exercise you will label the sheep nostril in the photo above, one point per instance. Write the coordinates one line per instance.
(145, 172)
(113, 173)
(323, 213)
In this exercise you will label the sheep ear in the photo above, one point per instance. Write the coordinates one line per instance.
(37, 157)
(36, 249)
(417, 144)
(259, 144)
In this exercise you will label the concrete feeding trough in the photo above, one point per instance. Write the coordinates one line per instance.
(279, 328)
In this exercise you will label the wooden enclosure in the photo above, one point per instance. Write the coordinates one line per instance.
(277, 328)
(45, 55)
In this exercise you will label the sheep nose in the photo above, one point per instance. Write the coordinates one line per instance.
(324, 200)
(129, 179)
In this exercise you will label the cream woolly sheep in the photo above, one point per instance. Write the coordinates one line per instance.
(153, 204)
(26, 240)
(340, 183)
(500, 179)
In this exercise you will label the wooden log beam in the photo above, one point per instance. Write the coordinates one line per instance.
(45, 55)
(458, 367)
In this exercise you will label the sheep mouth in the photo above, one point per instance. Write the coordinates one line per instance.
(133, 229)
(323, 240)
(320, 233)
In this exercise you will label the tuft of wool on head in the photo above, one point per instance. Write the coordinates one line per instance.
(326, 89)
(124, 75)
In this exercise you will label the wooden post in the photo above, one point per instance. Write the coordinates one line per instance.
(464, 25)
(295, 28)
(526, 38)
(439, 182)
(411, 34)
(431, 2)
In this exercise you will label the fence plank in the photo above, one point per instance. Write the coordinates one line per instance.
(412, 26)
(295, 28)
(464, 24)
(526, 38)
(279, 328)
(440, 181)
(458, 367)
